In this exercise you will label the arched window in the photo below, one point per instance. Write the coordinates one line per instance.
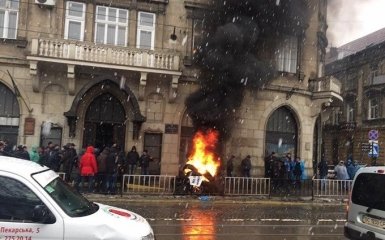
(282, 132)
(9, 116)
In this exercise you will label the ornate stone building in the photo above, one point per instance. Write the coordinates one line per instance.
(359, 65)
(105, 72)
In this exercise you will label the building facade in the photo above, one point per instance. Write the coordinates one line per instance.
(101, 73)
(357, 125)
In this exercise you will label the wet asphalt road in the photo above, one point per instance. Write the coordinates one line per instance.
(237, 220)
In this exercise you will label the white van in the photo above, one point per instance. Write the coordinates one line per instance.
(35, 203)
(366, 208)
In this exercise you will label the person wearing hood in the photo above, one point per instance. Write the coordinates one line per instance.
(88, 168)
(34, 155)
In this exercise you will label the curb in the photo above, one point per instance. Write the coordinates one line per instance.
(214, 199)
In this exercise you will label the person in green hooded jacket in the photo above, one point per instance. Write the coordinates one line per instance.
(34, 155)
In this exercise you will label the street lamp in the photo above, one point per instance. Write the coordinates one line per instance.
(173, 35)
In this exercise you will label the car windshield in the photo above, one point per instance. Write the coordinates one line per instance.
(70, 201)
(367, 191)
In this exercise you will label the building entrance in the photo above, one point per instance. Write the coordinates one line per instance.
(282, 133)
(104, 122)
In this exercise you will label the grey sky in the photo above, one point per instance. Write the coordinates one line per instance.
(352, 19)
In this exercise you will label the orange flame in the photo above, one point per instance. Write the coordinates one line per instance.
(203, 156)
(203, 227)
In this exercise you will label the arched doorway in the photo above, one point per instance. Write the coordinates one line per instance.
(282, 133)
(9, 116)
(104, 122)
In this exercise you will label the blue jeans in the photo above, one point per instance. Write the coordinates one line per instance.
(323, 182)
(111, 182)
(132, 169)
(90, 180)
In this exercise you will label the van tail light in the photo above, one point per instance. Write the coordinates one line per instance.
(381, 171)
(347, 206)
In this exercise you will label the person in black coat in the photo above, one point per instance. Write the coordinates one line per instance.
(113, 166)
(144, 162)
(230, 166)
(323, 172)
(132, 161)
(21, 153)
(246, 166)
(55, 158)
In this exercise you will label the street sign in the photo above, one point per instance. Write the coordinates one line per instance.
(365, 147)
(374, 150)
(373, 134)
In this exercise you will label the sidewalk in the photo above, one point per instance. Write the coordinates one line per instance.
(213, 199)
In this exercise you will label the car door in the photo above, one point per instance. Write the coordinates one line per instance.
(18, 212)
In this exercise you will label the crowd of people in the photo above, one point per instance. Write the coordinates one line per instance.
(284, 171)
(344, 170)
(100, 169)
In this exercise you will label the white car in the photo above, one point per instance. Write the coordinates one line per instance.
(366, 207)
(35, 203)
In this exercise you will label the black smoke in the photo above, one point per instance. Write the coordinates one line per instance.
(232, 55)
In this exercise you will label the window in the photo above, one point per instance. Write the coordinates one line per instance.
(350, 112)
(373, 73)
(367, 192)
(282, 132)
(50, 133)
(70, 201)
(197, 34)
(286, 54)
(75, 18)
(373, 109)
(111, 26)
(146, 30)
(351, 80)
(9, 116)
(9, 14)
(17, 201)
(335, 117)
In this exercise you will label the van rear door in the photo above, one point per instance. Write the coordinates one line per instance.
(367, 209)
(24, 213)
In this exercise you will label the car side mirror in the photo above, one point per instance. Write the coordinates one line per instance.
(41, 214)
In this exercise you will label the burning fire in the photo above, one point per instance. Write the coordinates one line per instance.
(203, 156)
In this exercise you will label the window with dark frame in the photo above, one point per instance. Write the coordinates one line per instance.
(17, 201)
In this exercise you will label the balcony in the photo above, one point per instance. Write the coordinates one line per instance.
(105, 56)
(326, 88)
